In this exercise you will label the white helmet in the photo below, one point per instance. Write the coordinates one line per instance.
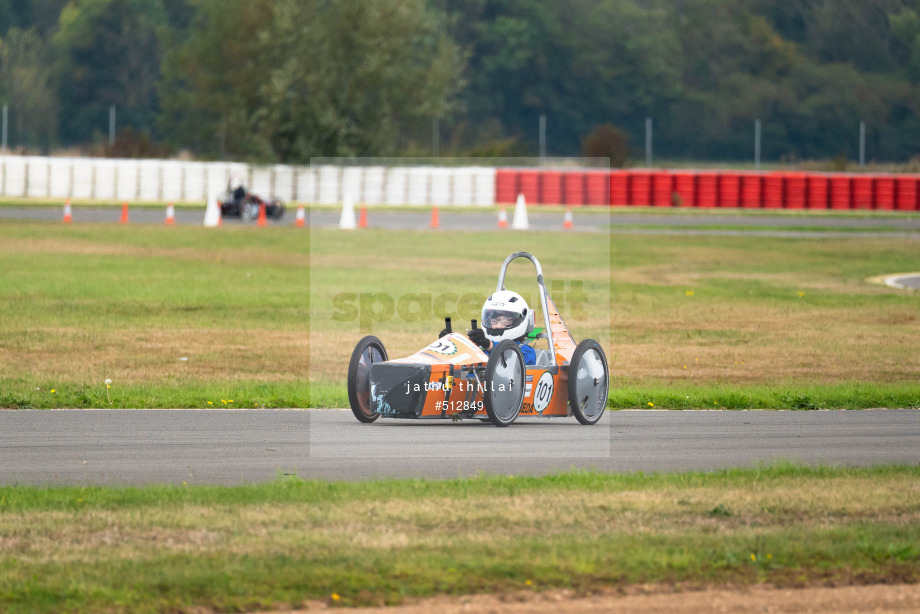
(505, 316)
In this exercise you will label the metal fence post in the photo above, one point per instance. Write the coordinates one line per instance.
(862, 143)
(542, 139)
(648, 142)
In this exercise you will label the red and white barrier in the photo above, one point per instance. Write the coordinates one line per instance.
(104, 179)
(711, 189)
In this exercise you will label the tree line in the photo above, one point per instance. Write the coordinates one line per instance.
(288, 80)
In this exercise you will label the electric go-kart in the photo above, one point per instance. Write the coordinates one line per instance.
(454, 378)
(239, 202)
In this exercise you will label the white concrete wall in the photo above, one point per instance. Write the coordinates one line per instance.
(105, 179)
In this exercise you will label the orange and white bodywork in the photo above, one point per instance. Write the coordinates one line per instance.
(441, 380)
(453, 378)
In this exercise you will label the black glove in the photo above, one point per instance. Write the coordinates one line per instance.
(478, 336)
(443, 333)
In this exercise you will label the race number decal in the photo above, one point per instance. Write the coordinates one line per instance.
(442, 346)
(543, 393)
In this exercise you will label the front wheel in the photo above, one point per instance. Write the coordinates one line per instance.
(504, 381)
(369, 350)
(588, 382)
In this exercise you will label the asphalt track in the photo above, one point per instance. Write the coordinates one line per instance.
(909, 281)
(724, 222)
(135, 447)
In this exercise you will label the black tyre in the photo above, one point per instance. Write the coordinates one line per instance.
(277, 209)
(369, 350)
(504, 380)
(588, 382)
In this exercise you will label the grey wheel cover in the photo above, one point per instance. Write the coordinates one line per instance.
(368, 351)
(369, 356)
(590, 382)
(507, 386)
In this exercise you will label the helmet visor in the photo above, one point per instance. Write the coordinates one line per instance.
(499, 319)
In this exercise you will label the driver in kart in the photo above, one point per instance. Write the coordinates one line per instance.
(505, 315)
(237, 189)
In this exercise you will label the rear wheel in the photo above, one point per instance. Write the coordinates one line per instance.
(504, 380)
(369, 350)
(588, 382)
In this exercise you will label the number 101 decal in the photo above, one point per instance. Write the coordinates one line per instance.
(544, 392)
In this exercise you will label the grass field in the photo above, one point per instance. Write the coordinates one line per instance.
(291, 542)
(246, 317)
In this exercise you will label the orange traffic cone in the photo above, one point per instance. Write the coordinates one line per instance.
(124, 212)
(68, 216)
(300, 220)
(567, 220)
(170, 215)
(362, 219)
(435, 221)
(502, 218)
(262, 219)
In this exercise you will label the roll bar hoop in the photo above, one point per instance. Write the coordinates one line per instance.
(543, 293)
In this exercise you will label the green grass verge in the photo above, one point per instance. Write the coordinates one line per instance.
(195, 317)
(763, 228)
(176, 394)
(250, 395)
(292, 541)
(851, 395)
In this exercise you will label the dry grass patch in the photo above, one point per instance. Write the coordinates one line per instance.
(667, 275)
(211, 254)
(149, 355)
(435, 266)
(706, 343)
(433, 522)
